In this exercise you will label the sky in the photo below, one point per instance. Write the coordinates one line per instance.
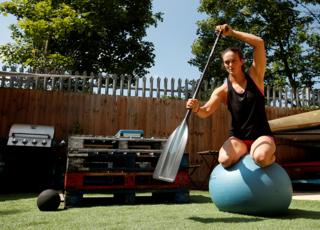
(172, 38)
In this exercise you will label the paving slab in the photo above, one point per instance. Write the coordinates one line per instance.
(306, 196)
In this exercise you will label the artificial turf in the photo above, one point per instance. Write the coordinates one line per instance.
(19, 211)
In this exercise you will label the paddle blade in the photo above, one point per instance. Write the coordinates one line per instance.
(171, 155)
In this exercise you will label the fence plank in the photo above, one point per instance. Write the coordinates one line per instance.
(158, 87)
(136, 87)
(144, 86)
(151, 87)
(121, 85)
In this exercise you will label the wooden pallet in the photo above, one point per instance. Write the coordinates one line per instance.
(110, 161)
(79, 198)
(100, 154)
(120, 166)
(115, 143)
(124, 186)
(121, 180)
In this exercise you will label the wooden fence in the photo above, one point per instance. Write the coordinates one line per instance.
(94, 114)
(145, 87)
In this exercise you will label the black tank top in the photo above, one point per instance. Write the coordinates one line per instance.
(249, 120)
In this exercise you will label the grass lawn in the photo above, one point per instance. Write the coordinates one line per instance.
(20, 212)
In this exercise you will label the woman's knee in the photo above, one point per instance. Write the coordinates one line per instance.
(231, 151)
(225, 161)
(226, 155)
(263, 150)
(263, 158)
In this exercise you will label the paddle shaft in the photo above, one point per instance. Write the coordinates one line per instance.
(203, 75)
(170, 158)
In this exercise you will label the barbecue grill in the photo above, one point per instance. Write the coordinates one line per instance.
(31, 135)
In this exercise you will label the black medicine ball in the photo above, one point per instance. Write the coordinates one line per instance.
(48, 200)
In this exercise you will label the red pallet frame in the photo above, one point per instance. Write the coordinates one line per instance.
(76, 181)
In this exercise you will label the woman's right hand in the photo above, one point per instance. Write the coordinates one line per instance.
(193, 104)
(225, 29)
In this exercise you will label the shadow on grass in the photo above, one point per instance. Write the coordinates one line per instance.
(11, 212)
(138, 200)
(103, 201)
(292, 214)
(10, 197)
(225, 220)
(301, 214)
(199, 199)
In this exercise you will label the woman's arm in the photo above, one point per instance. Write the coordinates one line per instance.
(218, 96)
(257, 69)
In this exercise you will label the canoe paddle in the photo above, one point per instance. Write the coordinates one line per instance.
(171, 155)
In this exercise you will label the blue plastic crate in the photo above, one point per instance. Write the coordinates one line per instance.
(129, 133)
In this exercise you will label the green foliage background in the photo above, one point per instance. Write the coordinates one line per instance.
(290, 30)
(81, 35)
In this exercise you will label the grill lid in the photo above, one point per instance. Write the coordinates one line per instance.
(31, 135)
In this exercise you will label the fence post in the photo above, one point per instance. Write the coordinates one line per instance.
(297, 98)
(151, 87)
(312, 92)
(129, 85)
(274, 96)
(76, 81)
(3, 81)
(45, 83)
(280, 96)
(61, 83)
(137, 87)
(69, 82)
(194, 83)
(172, 87)
(91, 82)
(186, 82)
(143, 86)
(114, 85)
(286, 97)
(158, 87)
(205, 87)
(121, 84)
(99, 83)
(308, 96)
(53, 82)
(291, 96)
(83, 83)
(106, 91)
(179, 87)
(268, 95)
(11, 82)
(302, 96)
(165, 86)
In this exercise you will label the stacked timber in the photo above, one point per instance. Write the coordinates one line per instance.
(302, 130)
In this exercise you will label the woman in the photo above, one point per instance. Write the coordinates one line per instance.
(243, 93)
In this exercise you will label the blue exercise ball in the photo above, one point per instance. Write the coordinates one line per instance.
(247, 188)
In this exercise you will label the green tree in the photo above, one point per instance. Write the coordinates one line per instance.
(81, 35)
(290, 30)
